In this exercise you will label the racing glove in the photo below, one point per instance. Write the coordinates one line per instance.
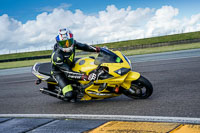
(91, 77)
(98, 49)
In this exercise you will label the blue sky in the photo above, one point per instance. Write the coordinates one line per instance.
(33, 24)
(24, 10)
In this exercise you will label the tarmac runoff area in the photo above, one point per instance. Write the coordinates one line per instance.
(58, 123)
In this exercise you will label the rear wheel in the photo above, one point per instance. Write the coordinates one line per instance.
(140, 89)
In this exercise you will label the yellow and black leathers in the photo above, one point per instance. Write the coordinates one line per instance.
(62, 63)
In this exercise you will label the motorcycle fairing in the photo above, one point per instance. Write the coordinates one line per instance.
(131, 76)
(93, 92)
(84, 65)
(124, 81)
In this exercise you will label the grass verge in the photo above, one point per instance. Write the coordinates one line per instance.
(16, 64)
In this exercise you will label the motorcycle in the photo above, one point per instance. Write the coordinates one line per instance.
(114, 78)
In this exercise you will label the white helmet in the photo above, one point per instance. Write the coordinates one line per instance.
(65, 40)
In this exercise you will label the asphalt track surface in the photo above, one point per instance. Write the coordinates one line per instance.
(174, 75)
(176, 83)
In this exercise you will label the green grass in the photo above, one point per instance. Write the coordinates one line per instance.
(16, 64)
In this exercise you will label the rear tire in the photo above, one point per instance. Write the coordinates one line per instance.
(140, 89)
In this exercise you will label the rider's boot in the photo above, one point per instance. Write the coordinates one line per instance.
(68, 92)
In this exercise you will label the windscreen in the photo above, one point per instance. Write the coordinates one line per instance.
(107, 56)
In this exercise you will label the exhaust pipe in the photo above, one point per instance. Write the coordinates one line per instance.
(50, 93)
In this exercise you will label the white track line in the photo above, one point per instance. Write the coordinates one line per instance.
(108, 117)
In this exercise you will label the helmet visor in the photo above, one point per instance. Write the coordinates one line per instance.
(66, 43)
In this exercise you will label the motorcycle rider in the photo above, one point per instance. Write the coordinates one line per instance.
(62, 61)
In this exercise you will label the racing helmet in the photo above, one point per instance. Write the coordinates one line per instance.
(65, 40)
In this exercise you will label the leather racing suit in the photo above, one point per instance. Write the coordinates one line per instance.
(62, 63)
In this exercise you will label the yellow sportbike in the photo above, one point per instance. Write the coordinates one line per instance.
(114, 78)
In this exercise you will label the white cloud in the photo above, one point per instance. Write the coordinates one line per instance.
(51, 8)
(163, 21)
(112, 24)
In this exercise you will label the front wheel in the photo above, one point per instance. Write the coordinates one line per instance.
(140, 89)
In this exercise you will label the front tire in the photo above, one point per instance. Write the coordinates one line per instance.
(140, 89)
